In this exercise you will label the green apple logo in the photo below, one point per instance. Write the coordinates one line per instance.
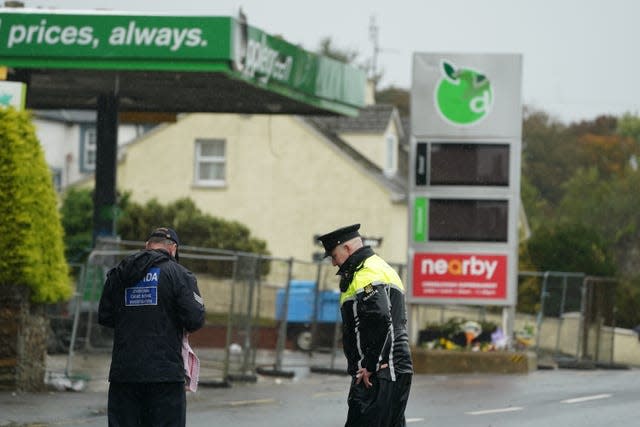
(463, 96)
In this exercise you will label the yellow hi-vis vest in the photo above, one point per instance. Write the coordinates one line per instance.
(374, 271)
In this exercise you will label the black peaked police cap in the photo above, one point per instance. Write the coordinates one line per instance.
(166, 233)
(336, 237)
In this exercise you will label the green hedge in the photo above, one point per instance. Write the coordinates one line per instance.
(31, 235)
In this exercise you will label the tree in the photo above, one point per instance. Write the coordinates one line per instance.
(399, 97)
(610, 207)
(327, 48)
(629, 126)
(570, 247)
(584, 175)
(601, 125)
(77, 220)
(536, 207)
(31, 235)
(627, 301)
(548, 155)
(611, 154)
(528, 287)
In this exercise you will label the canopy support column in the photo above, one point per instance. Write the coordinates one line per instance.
(105, 208)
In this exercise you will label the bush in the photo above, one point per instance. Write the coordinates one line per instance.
(194, 227)
(31, 235)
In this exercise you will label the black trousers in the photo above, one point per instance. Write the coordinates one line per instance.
(147, 404)
(381, 405)
(397, 400)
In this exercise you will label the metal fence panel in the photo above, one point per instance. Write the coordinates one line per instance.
(599, 319)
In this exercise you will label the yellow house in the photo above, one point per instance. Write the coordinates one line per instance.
(287, 178)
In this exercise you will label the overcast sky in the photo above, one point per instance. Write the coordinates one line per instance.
(580, 57)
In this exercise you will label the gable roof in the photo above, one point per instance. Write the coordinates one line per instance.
(329, 128)
(371, 119)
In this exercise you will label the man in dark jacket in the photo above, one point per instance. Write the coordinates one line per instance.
(150, 301)
(375, 338)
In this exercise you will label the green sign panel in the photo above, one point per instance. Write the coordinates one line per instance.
(420, 216)
(107, 37)
(271, 61)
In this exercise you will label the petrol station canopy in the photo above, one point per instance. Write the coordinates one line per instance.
(115, 62)
(161, 63)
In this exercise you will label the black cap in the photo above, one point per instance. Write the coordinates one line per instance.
(166, 233)
(341, 235)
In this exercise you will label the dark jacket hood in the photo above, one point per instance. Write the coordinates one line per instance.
(133, 268)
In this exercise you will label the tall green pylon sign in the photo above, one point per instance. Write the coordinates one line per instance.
(463, 96)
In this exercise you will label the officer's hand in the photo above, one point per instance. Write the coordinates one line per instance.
(364, 375)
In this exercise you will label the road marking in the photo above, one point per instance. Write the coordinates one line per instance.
(251, 402)
(496, 411)
(414, 420)
(328, 393)
(586, 398)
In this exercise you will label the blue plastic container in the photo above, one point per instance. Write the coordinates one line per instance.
(329, 306)
(300, 307)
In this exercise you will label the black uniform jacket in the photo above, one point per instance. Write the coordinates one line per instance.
(149, 299)
(374, 315)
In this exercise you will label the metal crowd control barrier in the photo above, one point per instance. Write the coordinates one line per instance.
(249, 300)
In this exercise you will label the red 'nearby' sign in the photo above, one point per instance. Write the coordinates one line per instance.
(453, 275)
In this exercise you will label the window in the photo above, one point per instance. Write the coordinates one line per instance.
(88, 147)
(56, 177)
(391, 164)
(210, 167)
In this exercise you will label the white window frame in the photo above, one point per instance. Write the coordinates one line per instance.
(216, 160)
(56, 178)
(89, 144)
(391, 154)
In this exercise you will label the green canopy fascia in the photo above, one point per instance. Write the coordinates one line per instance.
(170, 63)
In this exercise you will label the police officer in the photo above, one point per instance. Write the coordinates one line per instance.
(150, 301)
(375, 338)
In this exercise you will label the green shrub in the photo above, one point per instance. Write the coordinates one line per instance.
(77, 220)
(195, 228)
(31, 236)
